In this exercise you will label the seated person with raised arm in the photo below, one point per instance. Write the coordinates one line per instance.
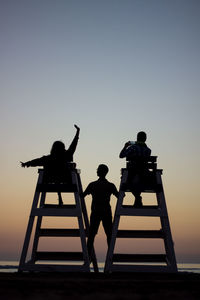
(56, 164)
(135, 153)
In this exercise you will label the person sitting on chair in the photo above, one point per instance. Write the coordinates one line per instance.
(101, 190)
(135, 153)
(56, 167)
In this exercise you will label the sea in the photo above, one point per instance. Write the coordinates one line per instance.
(12, 267)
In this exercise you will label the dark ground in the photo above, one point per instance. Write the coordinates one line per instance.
(89, 286)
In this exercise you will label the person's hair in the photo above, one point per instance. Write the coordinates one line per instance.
(57, 148)
(103, 169)
(141, 136)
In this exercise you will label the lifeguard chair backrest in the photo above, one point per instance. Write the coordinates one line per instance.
(55, 173)
(149, 163)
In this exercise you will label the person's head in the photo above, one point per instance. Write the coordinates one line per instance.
(102, 170)
(58, 148)
(141, 137)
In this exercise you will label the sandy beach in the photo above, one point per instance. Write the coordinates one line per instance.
(99, 286)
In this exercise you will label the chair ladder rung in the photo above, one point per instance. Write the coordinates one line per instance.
(140, 234)
(56, 212)
(64, 206)
(120, 257)
(149, 211)
(54, 188)
(44, 255)
(59, 232)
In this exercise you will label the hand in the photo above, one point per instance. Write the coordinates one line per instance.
(77, 128)
(127, 145)
(23, 165)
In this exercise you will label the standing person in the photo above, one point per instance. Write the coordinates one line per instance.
(136, 152)
(101, 190)
(56, 167)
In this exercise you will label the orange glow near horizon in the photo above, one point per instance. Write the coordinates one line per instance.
(13, 229)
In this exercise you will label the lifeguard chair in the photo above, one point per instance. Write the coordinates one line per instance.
(65, 261)
(142, 262)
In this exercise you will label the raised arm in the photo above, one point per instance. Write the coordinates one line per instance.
(74, 143)
(123, 152)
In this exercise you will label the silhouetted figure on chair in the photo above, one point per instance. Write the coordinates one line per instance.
(135, 153)
(56, 164)
(101, 190)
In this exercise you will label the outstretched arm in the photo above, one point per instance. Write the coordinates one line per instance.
(33, 163)
(74, 143)
(23, 165)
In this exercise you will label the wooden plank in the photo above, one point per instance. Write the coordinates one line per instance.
(147, 159)
(55, 268)
(69, 256)
(53, 188)
(149, 207)
(140, 234)
(120, 257)
(148, 189)
(149, 211)
(142, 268)
(64, 206)
(59, 232)
(57, 212)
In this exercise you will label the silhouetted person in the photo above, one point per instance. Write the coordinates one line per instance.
(136, 152)
(101, 190)
(56, 164)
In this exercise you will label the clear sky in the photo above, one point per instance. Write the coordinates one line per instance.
(113, 68)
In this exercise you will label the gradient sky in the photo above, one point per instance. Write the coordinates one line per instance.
(114, 68)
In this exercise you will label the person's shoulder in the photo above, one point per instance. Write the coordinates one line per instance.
(133, 147)
(147, 147)
(110, 183)
(47, 157)
(92, 183)
(144, 146)
(67, 151)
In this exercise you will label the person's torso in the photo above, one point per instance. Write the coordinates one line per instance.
(138, 157)
(101, 191)
(57, 168)
(138, 150)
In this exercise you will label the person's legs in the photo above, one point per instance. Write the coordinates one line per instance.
(93, 229)
(136, 189)
(138, 199)
(107, 225)
(60, 201)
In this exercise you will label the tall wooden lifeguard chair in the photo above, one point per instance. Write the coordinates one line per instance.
(65, 261)
(142, 262)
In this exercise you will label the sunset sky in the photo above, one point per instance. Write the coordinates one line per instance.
(113, 68)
